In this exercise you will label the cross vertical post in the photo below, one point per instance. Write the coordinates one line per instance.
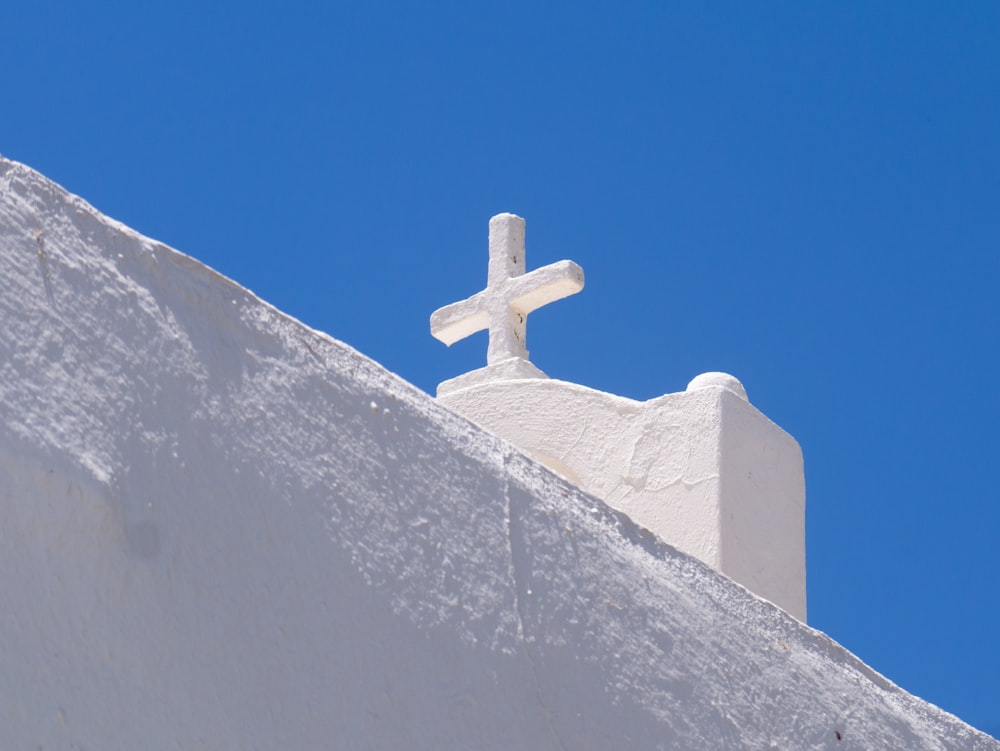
(508, 326)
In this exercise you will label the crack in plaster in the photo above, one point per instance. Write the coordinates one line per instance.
(520, 573)
(46, 270)
(576, 442)
(680, 480)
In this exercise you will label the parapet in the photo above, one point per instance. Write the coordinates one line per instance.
(703, 469)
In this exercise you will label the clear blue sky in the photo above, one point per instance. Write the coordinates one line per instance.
(808, 198)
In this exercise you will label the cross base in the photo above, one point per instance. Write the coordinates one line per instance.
(511, 369)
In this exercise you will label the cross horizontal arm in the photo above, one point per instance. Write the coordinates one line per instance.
(545, 285)
(460, 319)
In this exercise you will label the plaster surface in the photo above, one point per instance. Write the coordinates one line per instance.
(702, 469)
(224, 530)
(510, 295)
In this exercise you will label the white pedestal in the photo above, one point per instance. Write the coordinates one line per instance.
(702, 469)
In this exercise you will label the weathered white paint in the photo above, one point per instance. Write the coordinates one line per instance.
(224, 530)
(703, 469)
(504, 305)
(708, 474)
(722, 380)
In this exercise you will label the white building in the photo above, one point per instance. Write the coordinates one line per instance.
(225, 530)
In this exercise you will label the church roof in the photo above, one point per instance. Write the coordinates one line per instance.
(225, 529)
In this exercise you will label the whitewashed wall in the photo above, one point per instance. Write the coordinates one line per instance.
(702, 469)
(224, 530)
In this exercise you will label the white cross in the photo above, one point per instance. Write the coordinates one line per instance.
(509, 296)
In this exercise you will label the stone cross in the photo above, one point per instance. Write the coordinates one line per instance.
(509, 296)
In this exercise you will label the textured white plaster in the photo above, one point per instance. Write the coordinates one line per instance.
(513, 368)
(509, 297)
(722, 380)
(224, 530)
(703, 469)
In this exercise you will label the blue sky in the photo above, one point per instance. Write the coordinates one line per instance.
(805, 196)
